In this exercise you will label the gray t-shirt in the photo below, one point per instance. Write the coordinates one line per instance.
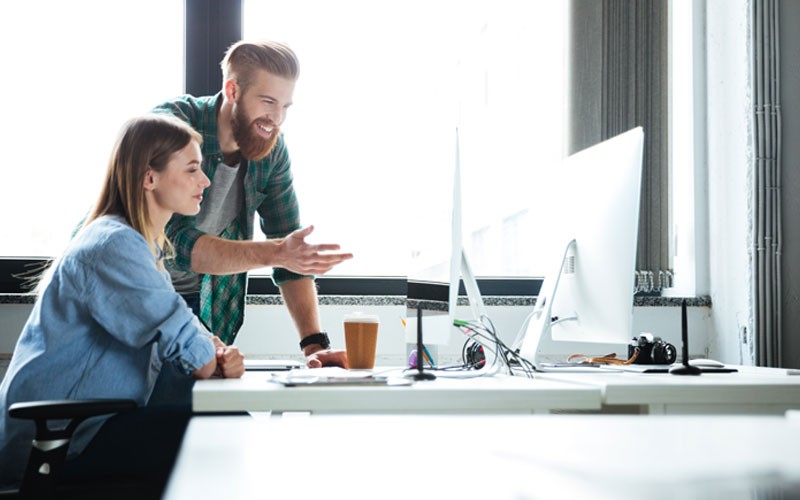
(222, 203)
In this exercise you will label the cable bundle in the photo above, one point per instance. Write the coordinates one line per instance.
(483, 333)
(482, 337)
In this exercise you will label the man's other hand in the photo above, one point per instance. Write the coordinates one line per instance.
(327, 357)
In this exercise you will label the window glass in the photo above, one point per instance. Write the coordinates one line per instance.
(383, 87)
(74, 72)
(685, 78)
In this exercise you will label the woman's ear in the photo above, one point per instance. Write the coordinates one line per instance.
(150, 179)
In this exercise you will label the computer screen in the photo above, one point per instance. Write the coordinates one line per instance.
(423, 285)
(588, 296)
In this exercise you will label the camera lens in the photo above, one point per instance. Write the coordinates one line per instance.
(664, 353)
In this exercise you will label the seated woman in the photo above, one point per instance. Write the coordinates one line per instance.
(107, 317)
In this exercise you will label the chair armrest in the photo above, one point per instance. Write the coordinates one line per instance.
(65, 408)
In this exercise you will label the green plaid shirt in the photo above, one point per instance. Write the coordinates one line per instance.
(268, 191)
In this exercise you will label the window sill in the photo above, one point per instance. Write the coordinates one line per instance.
(399, 300)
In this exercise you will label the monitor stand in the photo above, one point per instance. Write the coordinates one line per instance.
(538, 336)
(420, 373)
(685, 368)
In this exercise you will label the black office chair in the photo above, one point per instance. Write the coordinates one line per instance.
(49, 448)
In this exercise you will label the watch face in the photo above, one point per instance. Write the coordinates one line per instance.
(325, 341)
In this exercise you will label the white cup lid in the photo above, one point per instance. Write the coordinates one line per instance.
(360, 317)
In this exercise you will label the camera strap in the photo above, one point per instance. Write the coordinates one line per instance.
(608, 359)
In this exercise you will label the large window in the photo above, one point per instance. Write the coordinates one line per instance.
(383, 87)
(73, 72)
(687, 157)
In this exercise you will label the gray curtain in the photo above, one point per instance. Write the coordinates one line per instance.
(618, 80)
(767, 183)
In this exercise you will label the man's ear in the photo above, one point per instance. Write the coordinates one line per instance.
(150, 179)
(231, 90)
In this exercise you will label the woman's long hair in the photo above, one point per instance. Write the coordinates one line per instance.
(144, 142)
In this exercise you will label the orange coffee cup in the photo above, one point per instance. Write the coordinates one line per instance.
(361, 339)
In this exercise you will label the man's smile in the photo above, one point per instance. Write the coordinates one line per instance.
(265, 130)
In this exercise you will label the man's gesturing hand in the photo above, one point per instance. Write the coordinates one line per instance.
(302, 258)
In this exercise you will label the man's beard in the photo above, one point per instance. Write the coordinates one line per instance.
(251, 145)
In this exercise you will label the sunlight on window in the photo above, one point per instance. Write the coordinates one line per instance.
(383, 87)
(682, 131)
(69, 83)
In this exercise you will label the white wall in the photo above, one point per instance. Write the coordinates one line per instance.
(12, 319)
(729, 156)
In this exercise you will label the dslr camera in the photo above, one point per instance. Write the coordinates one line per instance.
(652, 350)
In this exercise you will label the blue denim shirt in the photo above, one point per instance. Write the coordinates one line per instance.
(101, 328)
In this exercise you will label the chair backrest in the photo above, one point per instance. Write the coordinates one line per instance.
(49, 447)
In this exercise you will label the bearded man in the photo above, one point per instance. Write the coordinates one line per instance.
(245, 157)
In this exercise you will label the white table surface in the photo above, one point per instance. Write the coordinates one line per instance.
(495, 394)
(496, 456)
(749, 391)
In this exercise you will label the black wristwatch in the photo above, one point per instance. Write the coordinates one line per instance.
(320, 338)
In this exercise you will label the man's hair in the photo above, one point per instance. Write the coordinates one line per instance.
(144, 142)
(244, 58)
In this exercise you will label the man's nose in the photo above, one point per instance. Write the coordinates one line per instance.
(276, 115)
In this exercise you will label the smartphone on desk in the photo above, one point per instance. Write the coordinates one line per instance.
(308, 380)
(568, 367)
(272, 365)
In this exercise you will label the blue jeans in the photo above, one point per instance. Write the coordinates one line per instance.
(139, 447)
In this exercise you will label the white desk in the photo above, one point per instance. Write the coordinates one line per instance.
(498, 394)
(751, 391)
(498, 457)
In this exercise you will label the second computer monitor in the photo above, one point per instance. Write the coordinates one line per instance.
(588, 296)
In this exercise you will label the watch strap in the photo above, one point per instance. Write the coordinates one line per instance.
(320, 338)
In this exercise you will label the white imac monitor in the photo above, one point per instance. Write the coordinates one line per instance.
(588, 296)
(459, 264)
(437, 328)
